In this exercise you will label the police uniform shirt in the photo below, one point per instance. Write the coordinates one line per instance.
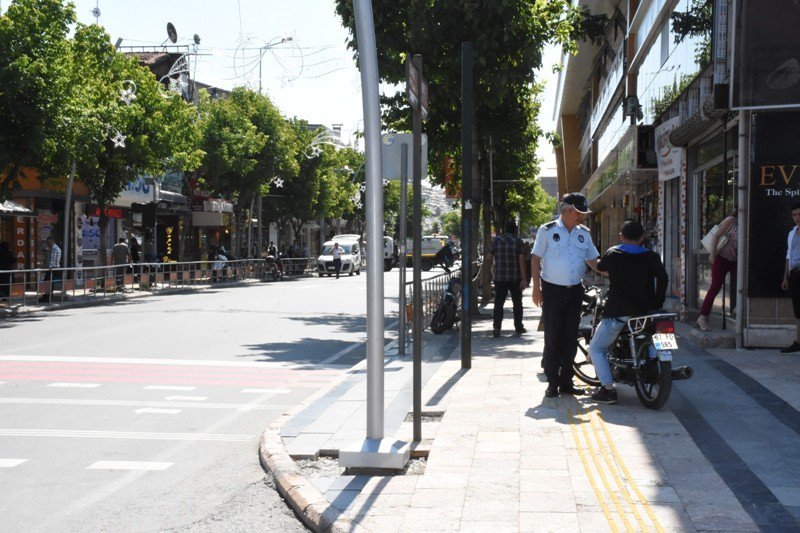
(564, 253)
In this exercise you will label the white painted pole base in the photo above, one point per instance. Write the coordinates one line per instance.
(376, 453)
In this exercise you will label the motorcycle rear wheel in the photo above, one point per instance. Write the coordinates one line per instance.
(582, 366)
(653, 392)
(443, 319)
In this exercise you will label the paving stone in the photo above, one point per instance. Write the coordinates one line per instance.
(439, 498)
(546, 502)
(431, 519)
(489, 510)
(549, 522)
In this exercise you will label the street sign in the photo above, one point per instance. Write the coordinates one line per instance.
(416, 89)
(391, 157)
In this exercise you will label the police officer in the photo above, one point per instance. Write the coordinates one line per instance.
(561, 252)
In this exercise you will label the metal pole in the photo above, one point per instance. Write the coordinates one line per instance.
(368, 63)
(250, 229)
(417, 223)
(741, 187)
(67, 206)
(260, 227)
(467, 103)
(401, 334)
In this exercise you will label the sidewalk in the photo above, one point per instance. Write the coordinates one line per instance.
(504, 458)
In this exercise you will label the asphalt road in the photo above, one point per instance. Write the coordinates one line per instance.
(145, 414)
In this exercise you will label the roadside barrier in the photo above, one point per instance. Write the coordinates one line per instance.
(31, 286)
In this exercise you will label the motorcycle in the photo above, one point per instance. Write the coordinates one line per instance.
(641, 355)
(447, 313)
(274, 269)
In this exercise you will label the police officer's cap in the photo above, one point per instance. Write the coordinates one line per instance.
(576, 200)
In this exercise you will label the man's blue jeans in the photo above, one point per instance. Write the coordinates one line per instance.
(603, 338)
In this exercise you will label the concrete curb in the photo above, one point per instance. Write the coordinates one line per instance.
(112, 299)
(302, 496)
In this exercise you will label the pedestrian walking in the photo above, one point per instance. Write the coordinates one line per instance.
(336, 252)
(637, 286)
(272, 249)
(723, 262)
(121, 255)
(6, 265)
(561, 252)
(791, 275)
(136, 255)
(507, 256)
(52, 264)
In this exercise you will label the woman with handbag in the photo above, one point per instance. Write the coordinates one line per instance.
(722, 255)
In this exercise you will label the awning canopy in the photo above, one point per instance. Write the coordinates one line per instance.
(13, 208)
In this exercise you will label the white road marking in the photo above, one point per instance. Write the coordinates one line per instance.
(169, 387)
(156, 411)
(186, 398)
(11, 463)
(75, 385)
(266, 391)
(129, 465)
(145, 361)
(128, 403)
(2, 382)
(129, 435)
(173, 451)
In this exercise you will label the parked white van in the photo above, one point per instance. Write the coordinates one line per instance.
(351, 258)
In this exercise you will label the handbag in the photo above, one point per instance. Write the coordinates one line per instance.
(708, 240)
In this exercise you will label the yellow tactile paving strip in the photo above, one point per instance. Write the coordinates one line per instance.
(623, 504)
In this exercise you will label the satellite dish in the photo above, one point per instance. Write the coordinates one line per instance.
(196, 39)
(172, 33)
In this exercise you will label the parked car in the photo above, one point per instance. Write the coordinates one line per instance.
(351, 258)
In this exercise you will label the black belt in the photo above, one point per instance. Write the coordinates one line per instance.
(567, 287)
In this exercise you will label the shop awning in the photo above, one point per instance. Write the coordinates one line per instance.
(13, 208)
(172, 197)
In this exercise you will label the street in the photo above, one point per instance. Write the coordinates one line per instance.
(146, 414)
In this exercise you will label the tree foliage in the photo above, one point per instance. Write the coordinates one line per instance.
(697, 21)
(34, 84)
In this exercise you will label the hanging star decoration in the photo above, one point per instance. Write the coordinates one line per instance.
(385, 182)
(119, 140)
(363, 187)
(278, 182)
(128, 92)
(359, 205)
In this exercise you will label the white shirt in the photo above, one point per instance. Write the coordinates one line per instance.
(337, 252)
(564, 253)
(793, 261)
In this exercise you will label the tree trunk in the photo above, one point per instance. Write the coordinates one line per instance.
(102, 223)
(488, 209)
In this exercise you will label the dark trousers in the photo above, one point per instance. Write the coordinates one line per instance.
(337, 265)
(561, 313)
(501, 290)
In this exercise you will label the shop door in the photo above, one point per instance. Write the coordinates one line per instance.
(714, 201)
(672, 235)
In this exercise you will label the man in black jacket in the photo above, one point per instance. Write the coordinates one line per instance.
(638, 284)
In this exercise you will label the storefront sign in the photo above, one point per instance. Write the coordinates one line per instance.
(137, 191)
(774, 189)
(168, 236)
(24, 242)
(671, 159)
(111, 212)
(766, 70)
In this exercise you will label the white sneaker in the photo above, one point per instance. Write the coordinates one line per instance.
(702, 323)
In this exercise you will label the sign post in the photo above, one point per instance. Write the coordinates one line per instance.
(418, 99)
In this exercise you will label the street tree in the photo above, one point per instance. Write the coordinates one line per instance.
(34, 86)
(247, 144)
(113, 141)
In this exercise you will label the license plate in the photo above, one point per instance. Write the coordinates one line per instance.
(331, 268)
(665, 341)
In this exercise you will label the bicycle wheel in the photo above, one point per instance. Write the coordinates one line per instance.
(582, 366)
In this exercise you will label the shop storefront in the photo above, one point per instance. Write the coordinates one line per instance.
(18, 229)
(211, 223)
